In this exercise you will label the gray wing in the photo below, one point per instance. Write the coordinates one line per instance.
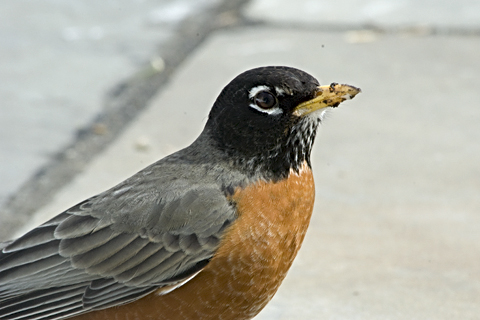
(156, 229)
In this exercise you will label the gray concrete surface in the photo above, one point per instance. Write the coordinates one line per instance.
(386, 14)
(58, 62)
(396, 230)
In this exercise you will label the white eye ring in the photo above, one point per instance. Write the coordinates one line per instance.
(253, 92)
(280, 91)
(272, 111)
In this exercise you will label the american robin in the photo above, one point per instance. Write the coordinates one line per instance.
(208, 232)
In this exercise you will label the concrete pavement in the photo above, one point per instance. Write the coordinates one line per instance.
(396, 230)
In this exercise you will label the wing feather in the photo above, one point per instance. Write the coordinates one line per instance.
(101, 253)
(156, 230)
(123, 256)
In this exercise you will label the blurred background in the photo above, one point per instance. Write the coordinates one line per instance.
(92, 92)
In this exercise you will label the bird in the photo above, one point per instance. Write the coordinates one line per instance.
(208, 232)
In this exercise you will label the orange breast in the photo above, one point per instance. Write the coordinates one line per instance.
(253, 259)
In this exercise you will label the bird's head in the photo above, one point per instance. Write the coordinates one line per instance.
(266, 118)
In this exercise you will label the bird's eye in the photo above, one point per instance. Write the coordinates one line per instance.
(265, 100)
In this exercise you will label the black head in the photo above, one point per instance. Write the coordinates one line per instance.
(253, 120)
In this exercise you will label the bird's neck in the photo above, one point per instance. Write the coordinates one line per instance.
(288, 154)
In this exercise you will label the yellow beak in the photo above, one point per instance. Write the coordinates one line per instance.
(327, 96)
